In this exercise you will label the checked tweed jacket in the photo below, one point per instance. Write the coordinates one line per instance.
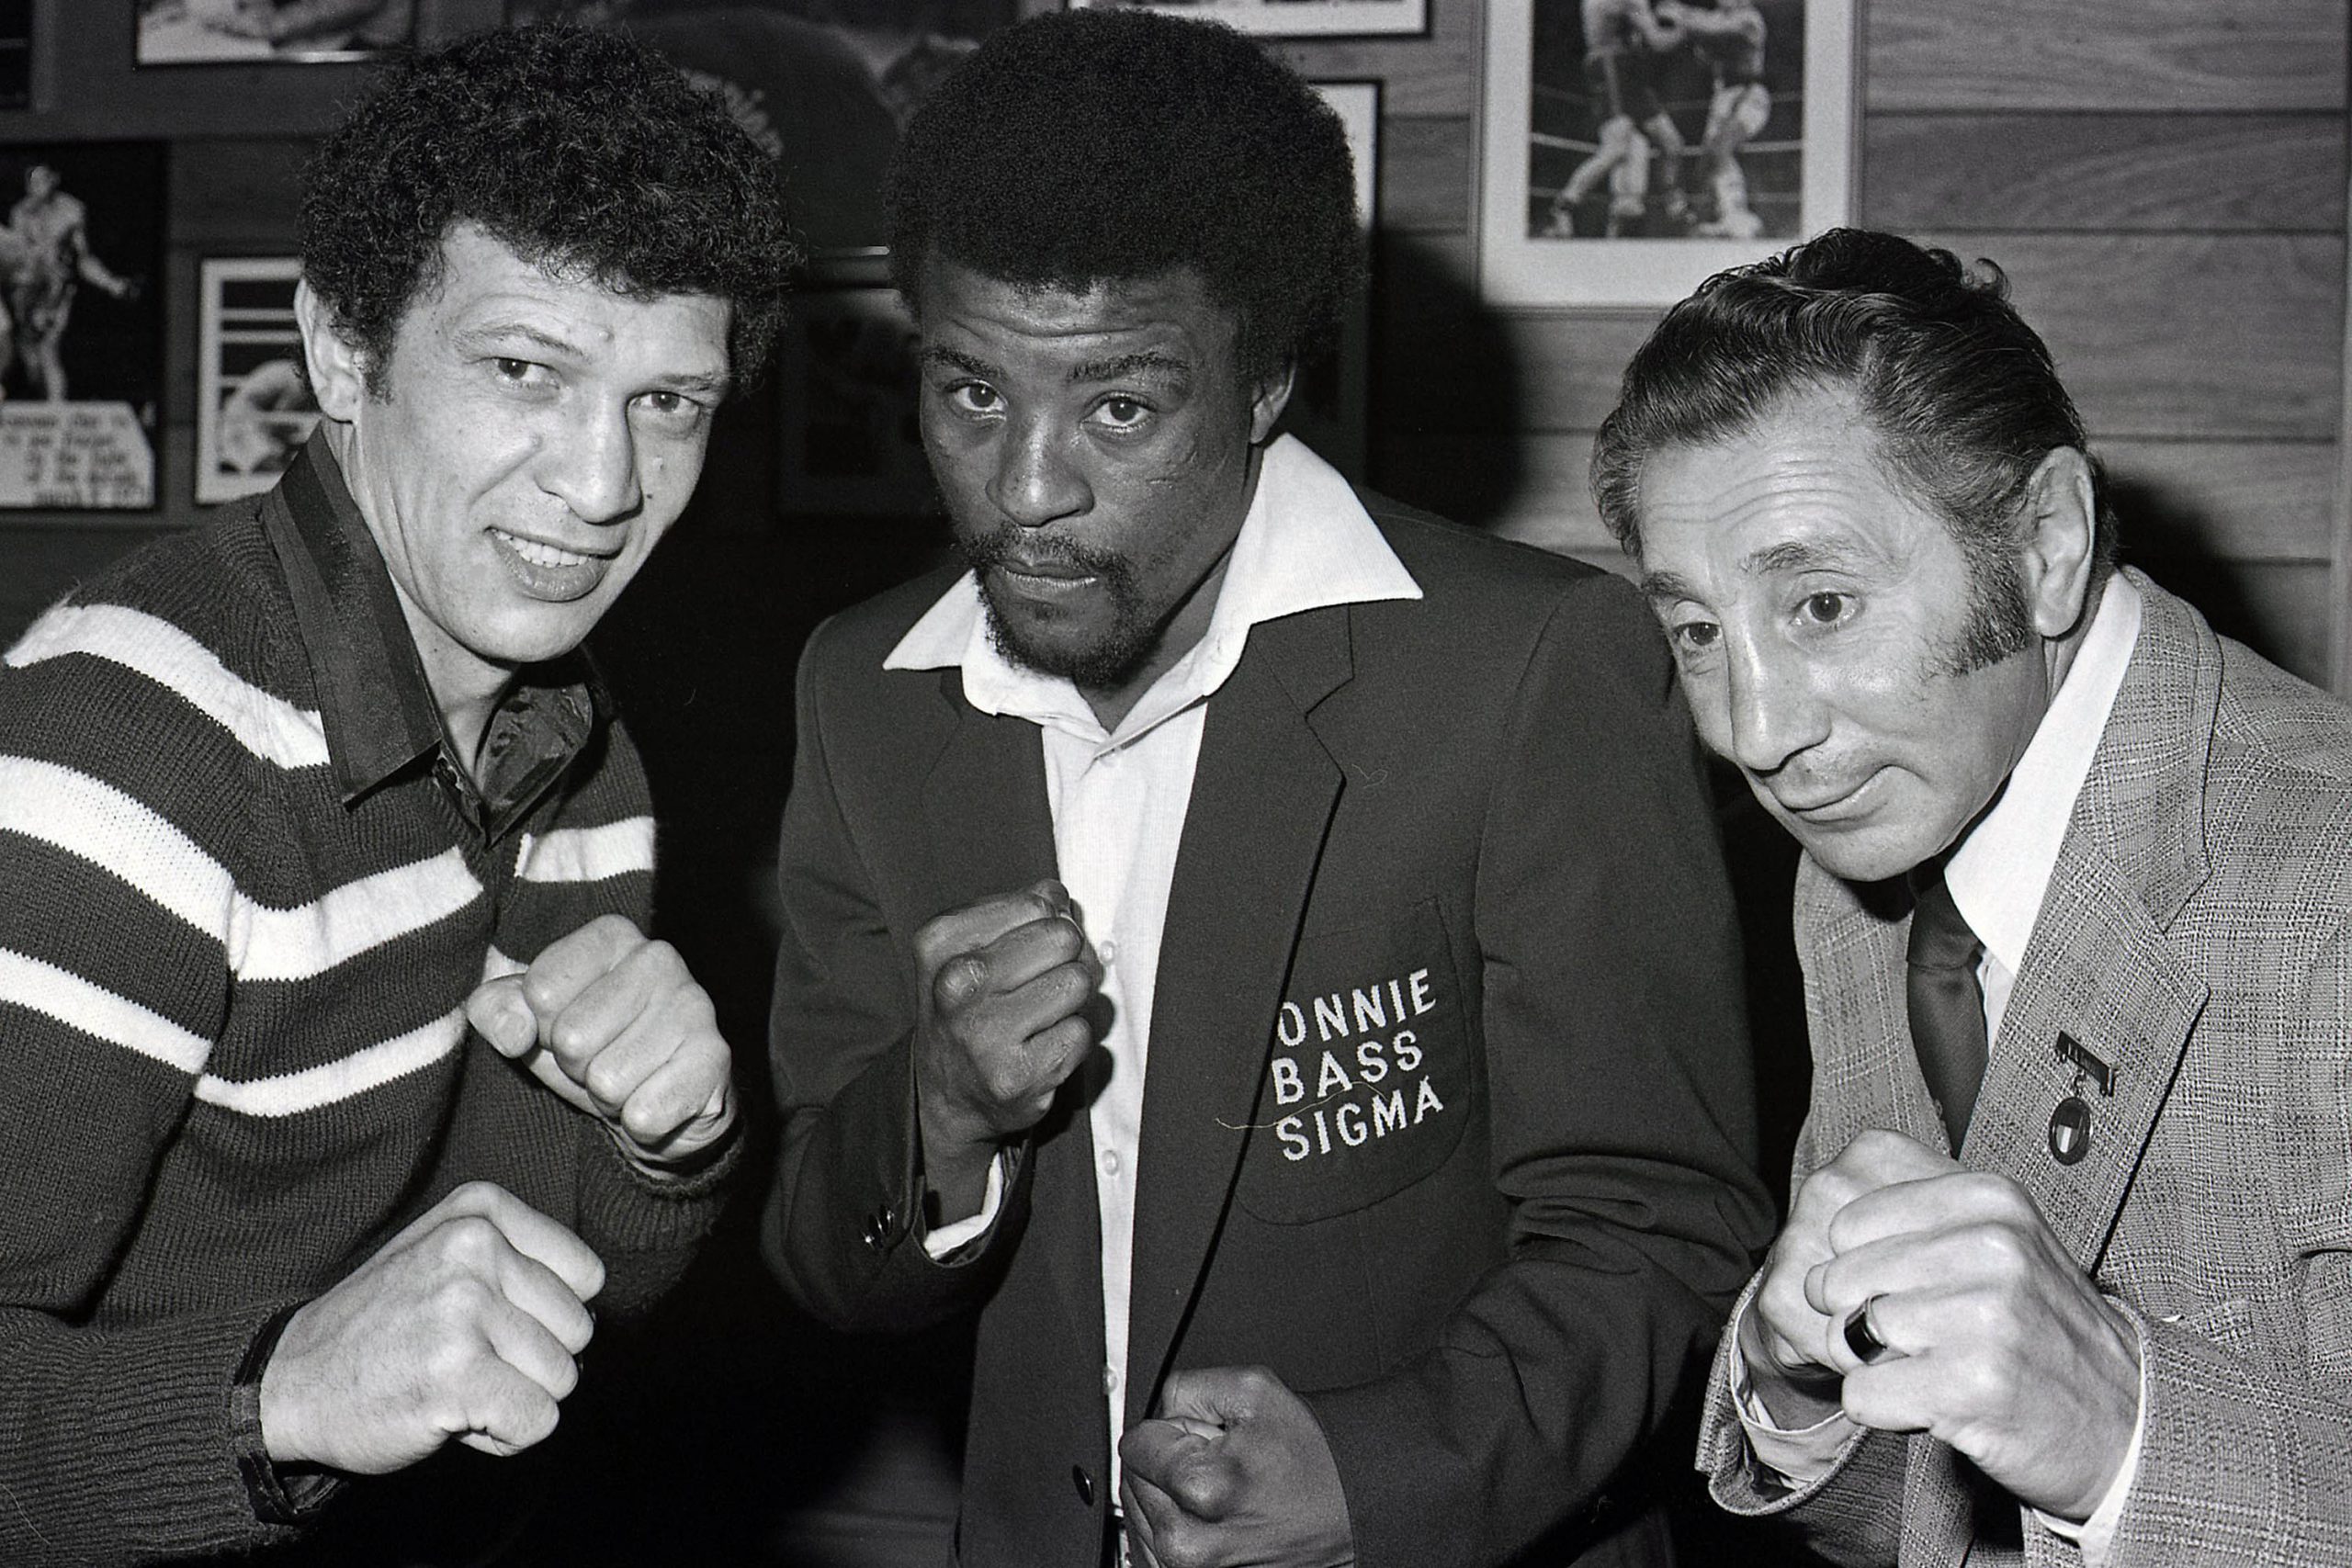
(2194, 936)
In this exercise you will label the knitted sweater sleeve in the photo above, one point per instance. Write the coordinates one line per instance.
(122, 780)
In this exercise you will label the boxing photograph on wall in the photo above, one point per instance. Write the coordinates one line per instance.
(81, 330)
(253, 407)
(1633, 147)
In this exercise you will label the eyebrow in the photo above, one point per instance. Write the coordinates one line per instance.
(1789, 555)
(499, 333)
(936, 354)
(1120, 366)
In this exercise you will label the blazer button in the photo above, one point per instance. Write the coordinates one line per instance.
(1084, 1483)
(877, 1228)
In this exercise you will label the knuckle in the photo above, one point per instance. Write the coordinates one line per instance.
(606, 1081)
(470, 1242)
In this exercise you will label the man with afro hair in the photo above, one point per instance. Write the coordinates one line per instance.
(341, 1075)
(1255, 951)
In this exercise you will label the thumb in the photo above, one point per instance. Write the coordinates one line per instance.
(1204, 1401)
(499, 1011)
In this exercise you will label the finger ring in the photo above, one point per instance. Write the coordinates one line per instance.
(1860, 1337)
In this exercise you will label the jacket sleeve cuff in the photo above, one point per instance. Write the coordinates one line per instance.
(279, 1496)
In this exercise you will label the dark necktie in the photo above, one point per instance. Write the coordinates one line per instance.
(1947, 1005)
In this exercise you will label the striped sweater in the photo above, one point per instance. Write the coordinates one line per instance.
(231, 1028)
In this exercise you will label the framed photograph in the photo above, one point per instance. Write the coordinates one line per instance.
(81, 270)
(1296, 19)
(249, 32)
(823, 87)
(253, 407)
(16, 55)
(851, 443)
(1630, 148)
(1327, 408)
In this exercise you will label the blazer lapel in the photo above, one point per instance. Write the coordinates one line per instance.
(992, 831)
(1262, 797)
(2101, 986)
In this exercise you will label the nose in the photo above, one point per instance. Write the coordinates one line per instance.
(1034, 482)
(1775, 713)
(590, 465)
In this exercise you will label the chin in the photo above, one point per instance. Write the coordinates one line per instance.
(1858, 855)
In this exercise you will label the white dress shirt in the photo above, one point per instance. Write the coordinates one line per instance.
(1999, 877)
(1118, 798)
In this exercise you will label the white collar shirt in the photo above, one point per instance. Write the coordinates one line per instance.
(1119, 797)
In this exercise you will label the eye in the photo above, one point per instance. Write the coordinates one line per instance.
(513, 369)
(975, 397)
(1694, 637)
(1122, 413)
(1826, 609)
(671, 408)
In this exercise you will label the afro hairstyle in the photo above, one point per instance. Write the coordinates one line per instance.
(1091, 146)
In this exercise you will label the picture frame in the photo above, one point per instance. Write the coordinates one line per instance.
(254, 405)
(82, 256)
(241, 32)
(849, 442)
(1583, 202)
(1329, 407)
(1296, 19)
(16, 55)
(825, 97)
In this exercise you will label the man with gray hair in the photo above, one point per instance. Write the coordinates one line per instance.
(2066, 1268)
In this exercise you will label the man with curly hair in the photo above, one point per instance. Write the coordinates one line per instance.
(341, 1077)
(1258, 952)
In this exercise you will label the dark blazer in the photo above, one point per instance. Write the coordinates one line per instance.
(2196, 937)
(1465, 842)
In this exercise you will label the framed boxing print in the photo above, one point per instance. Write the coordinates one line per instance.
(1632, 147)
(253, 407)
(1296, 19)
(82, 336)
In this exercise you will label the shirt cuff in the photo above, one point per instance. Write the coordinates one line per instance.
(2096, 1535)
(947, 1240)
(1798, 1458)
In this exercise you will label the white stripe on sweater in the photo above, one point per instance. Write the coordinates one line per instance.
(269, 727)
(311, 939)
(587, 855)
(76, 1003)
(288, 1094)
(85, 816)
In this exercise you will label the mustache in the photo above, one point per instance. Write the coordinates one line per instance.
(1014, 547)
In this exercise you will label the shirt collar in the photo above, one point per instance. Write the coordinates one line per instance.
(1307, 543)
(374, 701)
(2002, 869)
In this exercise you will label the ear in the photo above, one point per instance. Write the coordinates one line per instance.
(1267, 403)
(338, 367)
(2058, 549)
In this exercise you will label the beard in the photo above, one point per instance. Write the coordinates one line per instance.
(1105, 663)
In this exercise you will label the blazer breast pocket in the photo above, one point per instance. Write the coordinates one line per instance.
(1368, 1079)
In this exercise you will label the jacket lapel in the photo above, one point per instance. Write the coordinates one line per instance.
(2100, 980)
(992, 831)
(1262, 796)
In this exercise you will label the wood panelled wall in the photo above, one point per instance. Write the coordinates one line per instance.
(2163, 180)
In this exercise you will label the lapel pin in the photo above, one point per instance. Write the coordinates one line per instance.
(2070, 1124)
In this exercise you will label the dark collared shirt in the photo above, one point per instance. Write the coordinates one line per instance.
(380, 716)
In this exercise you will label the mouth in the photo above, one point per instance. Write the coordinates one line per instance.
(1830, 806)
(551, 572)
